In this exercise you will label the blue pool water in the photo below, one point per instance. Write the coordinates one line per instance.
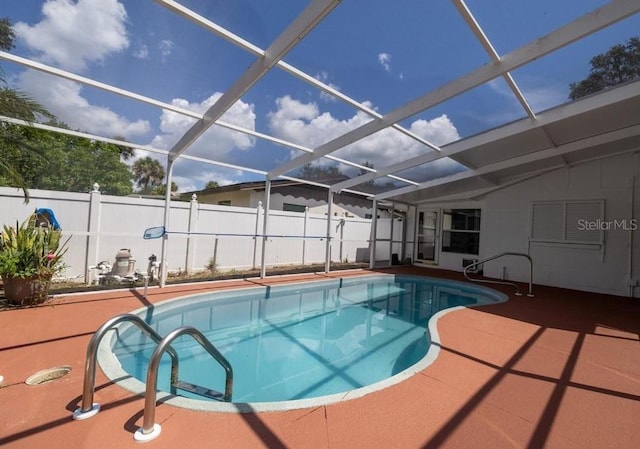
(300, 341)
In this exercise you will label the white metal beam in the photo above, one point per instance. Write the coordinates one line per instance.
(292, 35)
(44, 68)
(471, 21)
(251, 48)
(154, 150)
(583, 26)
(570, 109)
(554, 152)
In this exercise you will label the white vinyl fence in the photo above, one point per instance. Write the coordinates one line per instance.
(199, 234)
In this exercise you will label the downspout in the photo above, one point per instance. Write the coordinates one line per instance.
(327, 251)
(265, 226)
(632, 281)
(165, 237)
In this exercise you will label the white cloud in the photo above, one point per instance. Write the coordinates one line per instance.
(64, 99)
(217, 141)
(190, 176)
(385, 61)
(73, 34)
(166, 47)
(324, 77)
(304, 124)
(142, 52)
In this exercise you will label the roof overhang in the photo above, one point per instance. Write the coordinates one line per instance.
(598, 126)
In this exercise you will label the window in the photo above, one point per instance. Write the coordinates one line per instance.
(288, 207)
(461, 231)
(567, 221)
(224, 203)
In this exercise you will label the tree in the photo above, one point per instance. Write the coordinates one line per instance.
(619, 64)
(211, 185)
(148, 173)
(16, 104)
(317, 173)
(66, 163)
(7, 35)
(162, 189)
(126, 153)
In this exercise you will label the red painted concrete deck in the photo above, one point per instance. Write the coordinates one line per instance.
(561, 370)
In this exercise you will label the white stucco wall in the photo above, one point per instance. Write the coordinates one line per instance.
(506, 226)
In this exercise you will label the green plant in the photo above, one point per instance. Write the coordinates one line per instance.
(212, 266)
(29, 251)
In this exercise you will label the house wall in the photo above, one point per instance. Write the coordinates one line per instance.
(506, 226)
(241, 198)
(315, 200)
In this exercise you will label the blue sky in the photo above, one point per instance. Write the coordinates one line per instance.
(382, 54)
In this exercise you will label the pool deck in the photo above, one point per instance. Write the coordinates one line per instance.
(561, 370)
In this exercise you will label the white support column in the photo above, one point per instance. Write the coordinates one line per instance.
(167, 213)
(393, 209)
(414, 253)
(255, 234)
(343, 219)
(191, 241)
(374, 230)
(93, 230)
(327, 253)
(265, 227)
(304, 234)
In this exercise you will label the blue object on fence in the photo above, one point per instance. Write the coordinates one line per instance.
(46, 215)
(154, 233)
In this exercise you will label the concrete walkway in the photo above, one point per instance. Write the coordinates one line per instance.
(561, 370)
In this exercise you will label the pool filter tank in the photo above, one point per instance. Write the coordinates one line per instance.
(124, 263)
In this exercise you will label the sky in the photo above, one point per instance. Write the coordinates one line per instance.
(382, 54)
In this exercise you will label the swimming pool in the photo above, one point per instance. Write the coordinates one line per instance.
(297, 345)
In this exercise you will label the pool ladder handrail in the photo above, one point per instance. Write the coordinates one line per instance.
(493, 281)
(150, 429)
(88, 408)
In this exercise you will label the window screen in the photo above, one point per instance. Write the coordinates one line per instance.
(288, 207)
(461, 231)
(567, 221)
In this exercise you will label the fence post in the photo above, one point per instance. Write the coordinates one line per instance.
(255, 234)
(374, 235)
(327, 256)
(304, 233)
(343, 219)
(93, 229)
(192, 227)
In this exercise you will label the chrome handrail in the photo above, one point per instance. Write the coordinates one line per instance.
(487, 281)
(150, 429)
(88, 408)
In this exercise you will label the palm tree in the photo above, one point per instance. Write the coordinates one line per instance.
(15, 104)
(126, 153)
(148, 173)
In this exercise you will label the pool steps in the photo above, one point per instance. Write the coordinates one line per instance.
(151, 430)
